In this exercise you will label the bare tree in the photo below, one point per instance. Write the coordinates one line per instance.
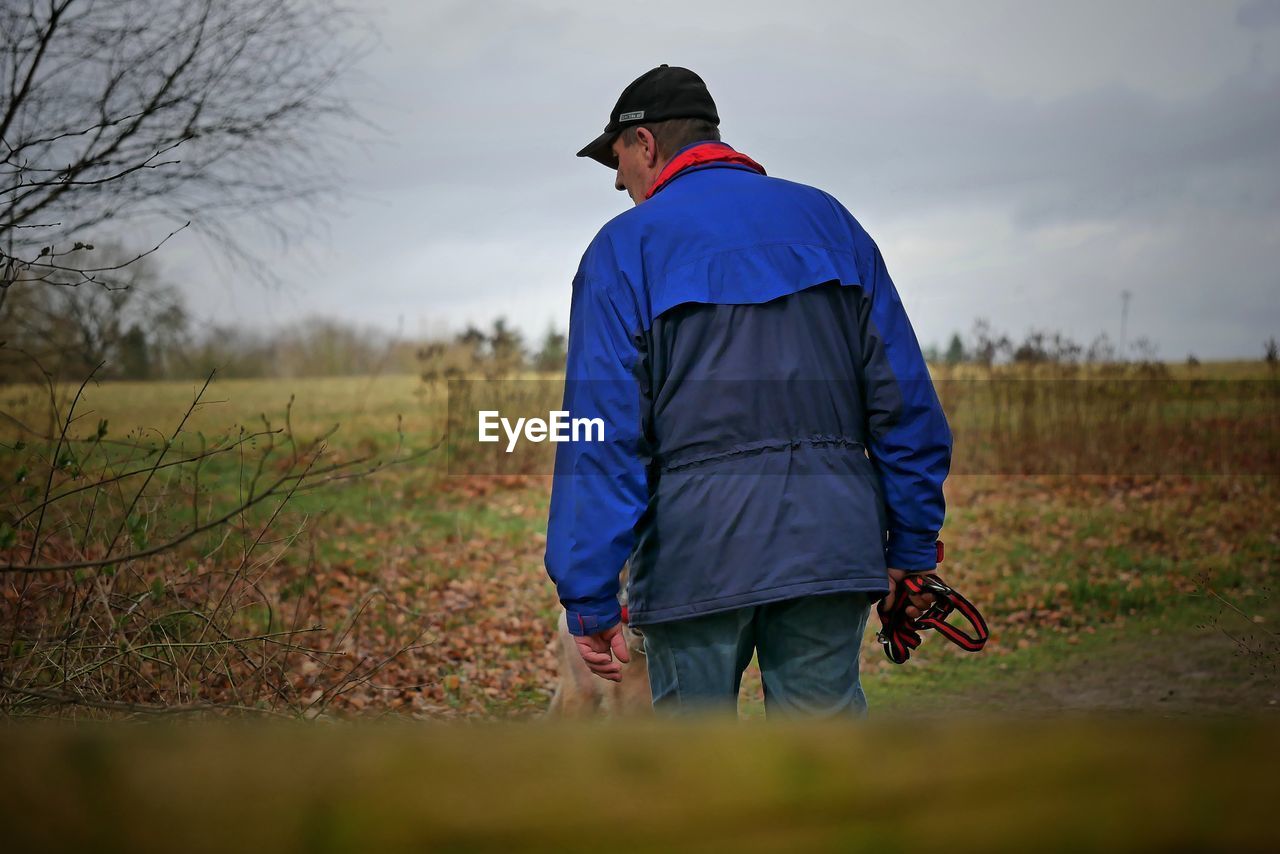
(156, 115)
(988, 347)
(134, 325)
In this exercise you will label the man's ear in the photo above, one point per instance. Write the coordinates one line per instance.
(645, 137)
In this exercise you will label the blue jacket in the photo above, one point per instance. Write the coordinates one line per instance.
(771, 430)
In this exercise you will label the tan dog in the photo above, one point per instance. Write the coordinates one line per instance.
(582, 694)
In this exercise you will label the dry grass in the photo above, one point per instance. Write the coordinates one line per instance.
(455, 562)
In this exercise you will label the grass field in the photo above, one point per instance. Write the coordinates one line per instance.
(1131, 591)
(1127, 698)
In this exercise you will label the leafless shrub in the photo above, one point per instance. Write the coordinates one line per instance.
(147, 576)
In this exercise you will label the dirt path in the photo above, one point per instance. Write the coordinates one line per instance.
(1184, 672)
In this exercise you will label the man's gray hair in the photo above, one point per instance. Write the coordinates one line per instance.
(674, 134)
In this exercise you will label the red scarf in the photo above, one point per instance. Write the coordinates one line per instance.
(702, 153)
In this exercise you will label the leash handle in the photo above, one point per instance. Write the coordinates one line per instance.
(897, 632)
(900, 634)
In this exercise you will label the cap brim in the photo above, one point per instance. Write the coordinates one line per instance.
(600, 149)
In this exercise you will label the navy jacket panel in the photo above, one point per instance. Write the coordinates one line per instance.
(762, 485)
(771, 428)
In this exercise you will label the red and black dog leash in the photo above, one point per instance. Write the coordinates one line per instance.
(899, 634)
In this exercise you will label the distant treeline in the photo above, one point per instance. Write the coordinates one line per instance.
(139, 328)
(987, 346)
(312, 347)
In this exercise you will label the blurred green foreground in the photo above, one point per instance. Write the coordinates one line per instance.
(1144, 784)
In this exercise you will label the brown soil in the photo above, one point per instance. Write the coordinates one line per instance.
(1188, 672)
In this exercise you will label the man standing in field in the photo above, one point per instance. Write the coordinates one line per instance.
(774, 451)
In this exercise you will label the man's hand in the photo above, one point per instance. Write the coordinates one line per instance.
(919, 602)
(605, 652)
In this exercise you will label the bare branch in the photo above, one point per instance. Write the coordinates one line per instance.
(244, 95)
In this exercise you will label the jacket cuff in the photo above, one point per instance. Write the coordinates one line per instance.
(911, 551)
(590, 622)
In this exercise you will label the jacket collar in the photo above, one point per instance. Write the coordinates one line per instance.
(700, 154)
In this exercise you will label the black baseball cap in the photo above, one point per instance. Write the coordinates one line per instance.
(664, 93)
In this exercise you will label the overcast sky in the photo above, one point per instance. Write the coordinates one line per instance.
(1023, 162)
